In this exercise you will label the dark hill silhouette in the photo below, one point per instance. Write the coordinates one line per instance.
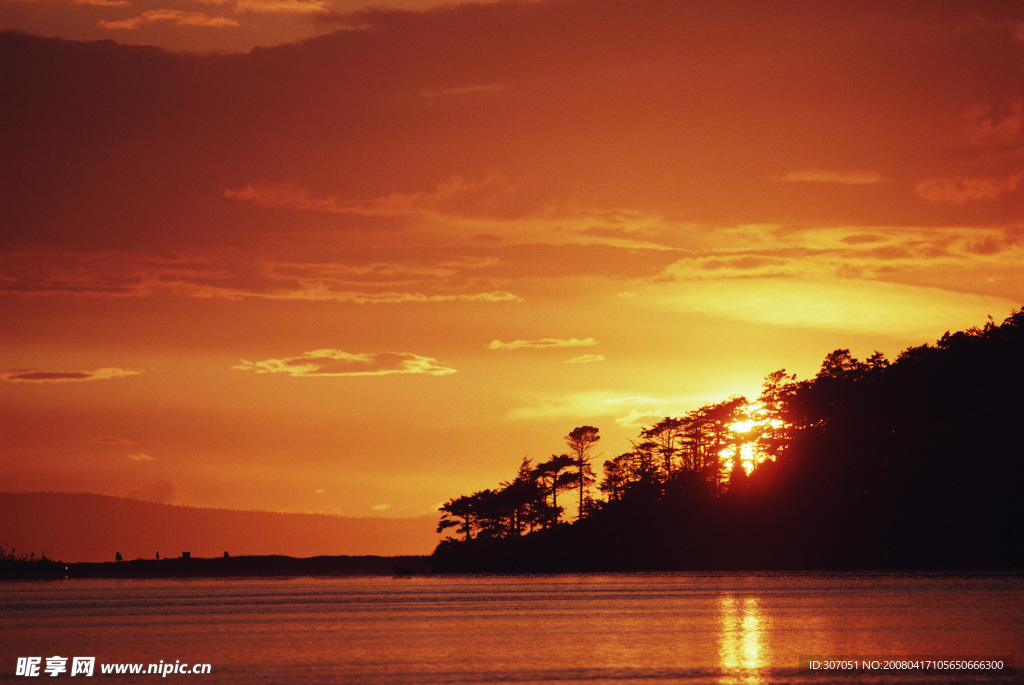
(87, 527)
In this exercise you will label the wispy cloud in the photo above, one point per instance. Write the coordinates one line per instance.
(357, 297)
(543, 343)
(883, 252)
(112, 441)
(846, 305)
(331, 362)
(863, 239)
(93, 3)
(141, 456)
(39, 376)
(844, 177)
(287, 195)
(593, 405)
(637, 418)
(179, 17)
(959, 191)
(585, 359)
(281, 6)
(117, 275)
(986, 128)
(456, 196)
(176, 17)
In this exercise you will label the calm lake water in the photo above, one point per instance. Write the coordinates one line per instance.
(642, 628)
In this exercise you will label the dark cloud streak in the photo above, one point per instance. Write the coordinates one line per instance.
(36, 376)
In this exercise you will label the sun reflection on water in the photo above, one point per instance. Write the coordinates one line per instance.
(741, 647)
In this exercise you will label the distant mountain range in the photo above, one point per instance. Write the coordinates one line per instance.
(85, 527)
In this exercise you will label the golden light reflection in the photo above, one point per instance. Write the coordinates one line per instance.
(741, 650)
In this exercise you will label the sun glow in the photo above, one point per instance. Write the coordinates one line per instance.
(748, 433)
(742, 426)
(749, 456)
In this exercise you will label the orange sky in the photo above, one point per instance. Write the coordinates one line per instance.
(373, 263)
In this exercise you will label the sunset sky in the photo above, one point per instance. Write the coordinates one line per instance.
(305, 256)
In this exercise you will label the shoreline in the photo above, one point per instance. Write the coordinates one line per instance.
(219, 567)
(280, 566)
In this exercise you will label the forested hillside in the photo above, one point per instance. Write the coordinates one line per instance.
(914, 463)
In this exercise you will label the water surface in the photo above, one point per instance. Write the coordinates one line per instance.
(615, 628)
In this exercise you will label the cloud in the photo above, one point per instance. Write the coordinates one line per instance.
(116, 442)
(543, 343)
(209, 291)
(864, 252)
(585, 359)
(636, 419)
(742, 265)
(115, 274)
(329, 363)
(850, 306)
(585, 406)
(844, 177)
(281, 6)
(959, 191)
(397, 297)
(162, 491)
(176, 17)
(456, 196)
(287, 195)
(380, 507)
(863, 238)
(985, 128)
(34, 376)
(93, 3)
(141, 456)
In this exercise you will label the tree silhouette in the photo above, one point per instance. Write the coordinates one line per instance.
(554, 479)
(581, 442)
(458, 513)
(665, 437)
(776, 391)
(524, 498)
(738, 478)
